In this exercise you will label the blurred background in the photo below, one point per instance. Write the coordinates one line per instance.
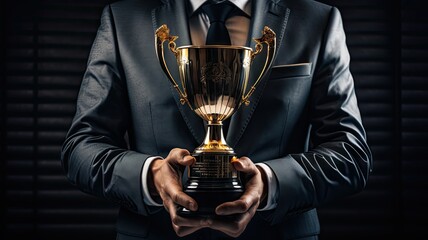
(45, 45)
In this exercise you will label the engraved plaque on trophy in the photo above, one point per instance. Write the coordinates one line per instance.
(214, 84)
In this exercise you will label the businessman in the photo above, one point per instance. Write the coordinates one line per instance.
(301, 142)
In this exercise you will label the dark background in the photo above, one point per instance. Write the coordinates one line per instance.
(45, 45)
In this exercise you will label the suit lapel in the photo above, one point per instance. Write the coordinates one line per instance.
(273, 14)
(173, 13)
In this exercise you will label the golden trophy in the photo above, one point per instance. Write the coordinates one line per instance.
(214, 82)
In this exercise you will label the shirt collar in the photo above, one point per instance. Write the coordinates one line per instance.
(244, 5)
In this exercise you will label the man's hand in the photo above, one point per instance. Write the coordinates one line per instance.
(245, 207)
(166, 181)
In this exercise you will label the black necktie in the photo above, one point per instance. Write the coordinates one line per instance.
(218, 14)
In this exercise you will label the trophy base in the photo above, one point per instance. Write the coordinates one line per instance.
(212, 181)
(208, 200)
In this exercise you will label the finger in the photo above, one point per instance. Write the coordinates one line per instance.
(236, 226)
(175, 193)
(241, 205)
(187, 160)
(182, 226)
(183, 231)
(191, 222)
(182, 221)
(245, 165)
(169, 206)
(181, 156)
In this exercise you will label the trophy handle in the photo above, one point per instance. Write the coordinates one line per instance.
(268, 37)
(162, 35)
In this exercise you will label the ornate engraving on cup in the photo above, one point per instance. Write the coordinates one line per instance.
(214, 84)
(216, 72)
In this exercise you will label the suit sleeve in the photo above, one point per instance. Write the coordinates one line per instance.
(95, 155)
(339, 159)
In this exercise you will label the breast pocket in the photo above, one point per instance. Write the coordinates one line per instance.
(292, 81)
(291, 71)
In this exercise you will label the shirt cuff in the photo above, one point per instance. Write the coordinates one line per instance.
(272, 194)
(146, 193)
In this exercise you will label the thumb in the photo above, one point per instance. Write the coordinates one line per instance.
(181, 157)
(187, 160)
(245, 165)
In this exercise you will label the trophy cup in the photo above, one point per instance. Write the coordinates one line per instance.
(214, 82)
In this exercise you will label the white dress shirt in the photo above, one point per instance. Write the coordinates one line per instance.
(238, 27)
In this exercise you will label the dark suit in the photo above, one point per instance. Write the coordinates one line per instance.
(303, 120)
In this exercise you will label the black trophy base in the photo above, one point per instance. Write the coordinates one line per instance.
(208, 200)
(212, 181)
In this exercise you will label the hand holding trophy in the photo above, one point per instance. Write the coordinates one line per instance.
(214, 82)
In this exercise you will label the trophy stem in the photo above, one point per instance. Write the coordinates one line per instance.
(214, 139)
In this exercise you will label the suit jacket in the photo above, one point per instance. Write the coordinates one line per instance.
(303, 120)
